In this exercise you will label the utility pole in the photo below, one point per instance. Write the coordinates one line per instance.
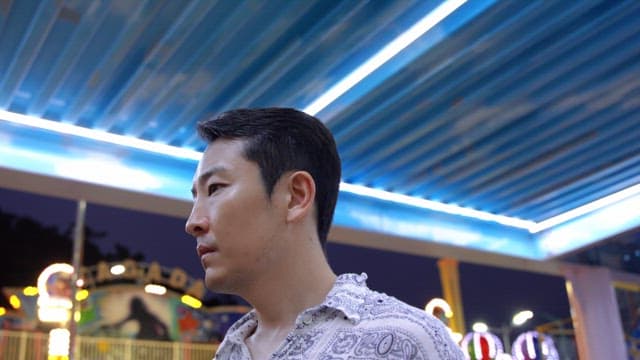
(78, 254)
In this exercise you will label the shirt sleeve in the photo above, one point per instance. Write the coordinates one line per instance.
(435, 338)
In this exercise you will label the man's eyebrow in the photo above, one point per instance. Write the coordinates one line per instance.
(206, 175)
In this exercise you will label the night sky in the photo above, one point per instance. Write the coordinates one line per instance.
(489, 294)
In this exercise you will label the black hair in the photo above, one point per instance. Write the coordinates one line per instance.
(280, 140)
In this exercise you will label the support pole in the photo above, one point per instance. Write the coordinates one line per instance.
(595, 313)
(450, 281)
(505, 331)
(78, 254)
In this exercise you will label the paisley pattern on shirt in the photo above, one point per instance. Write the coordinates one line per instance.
(353, 323)
(373, 344)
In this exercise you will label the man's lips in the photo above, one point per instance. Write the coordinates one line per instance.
(204, 249)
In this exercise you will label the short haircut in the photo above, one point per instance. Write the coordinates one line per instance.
(280, 140)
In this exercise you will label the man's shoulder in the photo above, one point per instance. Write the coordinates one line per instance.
(379, 305)
(386, 317)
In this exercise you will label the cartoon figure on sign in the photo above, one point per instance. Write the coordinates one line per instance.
(59, 285)
(149, 326)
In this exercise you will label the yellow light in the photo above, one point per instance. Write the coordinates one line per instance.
(15, 301)
(2, 311)
(77, 316)
(82, 294)
(191, 301)
(30, 291)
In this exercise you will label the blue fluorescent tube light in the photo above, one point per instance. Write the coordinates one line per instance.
(99, 135)
(436, 206)
(531, 226)
(381, 57)
(587, 208)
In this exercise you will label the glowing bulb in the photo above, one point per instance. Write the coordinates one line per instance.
(30, 291)
(155, 289)
(117, 269)
(191, 301)
(15, 302)
(82, 294)
(480, 327)
(522, 317)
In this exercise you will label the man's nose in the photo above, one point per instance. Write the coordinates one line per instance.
(197, 223)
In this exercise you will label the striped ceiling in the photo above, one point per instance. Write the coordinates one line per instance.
(526, 109)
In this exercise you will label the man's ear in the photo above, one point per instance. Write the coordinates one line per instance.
(302, 190)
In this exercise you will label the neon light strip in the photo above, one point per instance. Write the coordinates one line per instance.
(531, 226)
(384, 55)
(99, 135)
(436, 206)
(584, 209)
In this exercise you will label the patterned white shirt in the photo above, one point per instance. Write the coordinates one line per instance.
(353, 322)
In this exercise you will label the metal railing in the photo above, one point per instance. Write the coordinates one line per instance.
(24, 345)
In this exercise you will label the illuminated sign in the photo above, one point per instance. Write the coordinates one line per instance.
(55, 290)
(152, 273)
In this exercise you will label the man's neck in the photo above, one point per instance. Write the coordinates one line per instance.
(281, 296)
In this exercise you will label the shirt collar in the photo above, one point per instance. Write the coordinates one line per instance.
(347, 295)
(239, 331)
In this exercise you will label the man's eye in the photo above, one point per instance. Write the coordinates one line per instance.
(213, 188)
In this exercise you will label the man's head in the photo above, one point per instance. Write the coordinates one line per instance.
(280, 140)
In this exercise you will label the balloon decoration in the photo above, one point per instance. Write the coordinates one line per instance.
(534, 346)
(482, 346)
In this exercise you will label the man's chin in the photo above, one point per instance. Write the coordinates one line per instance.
(217, 282)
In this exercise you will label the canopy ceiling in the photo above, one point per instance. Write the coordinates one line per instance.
(526, 110)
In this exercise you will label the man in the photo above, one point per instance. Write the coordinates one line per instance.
(264, 195)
